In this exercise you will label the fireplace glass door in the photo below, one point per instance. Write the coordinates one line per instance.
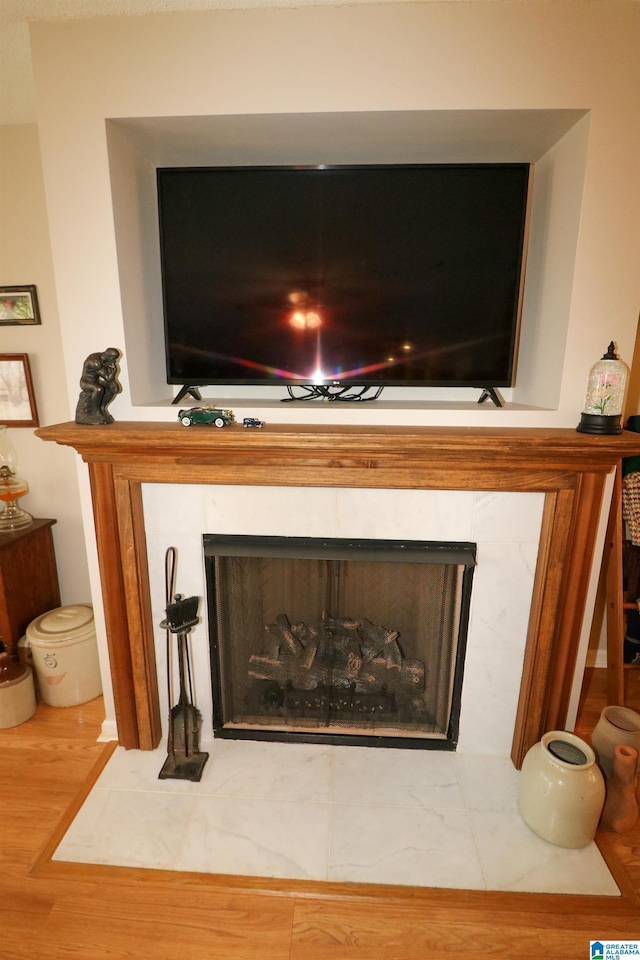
(358, 642)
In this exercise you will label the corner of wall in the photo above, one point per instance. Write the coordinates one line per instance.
(558, 188)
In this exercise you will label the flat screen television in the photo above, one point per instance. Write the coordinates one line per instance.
(398, 275)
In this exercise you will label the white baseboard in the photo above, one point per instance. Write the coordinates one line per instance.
(109, 731)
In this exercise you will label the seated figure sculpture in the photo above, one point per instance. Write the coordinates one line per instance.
(98, 386)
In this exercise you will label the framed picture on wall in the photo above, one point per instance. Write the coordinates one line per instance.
(17, 400)
(19, 305)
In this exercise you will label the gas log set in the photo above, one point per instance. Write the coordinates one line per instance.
(337, 668)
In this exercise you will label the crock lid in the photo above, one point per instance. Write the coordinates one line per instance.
(61, 623)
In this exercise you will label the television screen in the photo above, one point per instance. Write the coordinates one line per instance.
(379, 275)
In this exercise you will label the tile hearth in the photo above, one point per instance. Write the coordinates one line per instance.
(321, 812)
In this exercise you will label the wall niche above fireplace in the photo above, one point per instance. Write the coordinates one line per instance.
(555, 140)
(348, 641)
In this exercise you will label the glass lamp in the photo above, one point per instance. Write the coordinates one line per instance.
(602, 410)
(13, 517)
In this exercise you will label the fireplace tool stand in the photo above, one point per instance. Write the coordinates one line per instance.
(185, 761)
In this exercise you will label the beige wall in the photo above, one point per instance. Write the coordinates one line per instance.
(350, 59)
(25, 257)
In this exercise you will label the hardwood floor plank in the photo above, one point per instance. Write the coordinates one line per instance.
(41, 776)
(21, 942)
(160, 924)
(32, 902)
(343, 932)
(82, 722)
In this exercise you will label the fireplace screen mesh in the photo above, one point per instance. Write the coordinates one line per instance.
(336, 645)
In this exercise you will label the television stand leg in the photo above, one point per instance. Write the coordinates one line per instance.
(187, 391)
(490, 393)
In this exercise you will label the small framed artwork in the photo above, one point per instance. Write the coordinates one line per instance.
(19, 305)
(17, 400)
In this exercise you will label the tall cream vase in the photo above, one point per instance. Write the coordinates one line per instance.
(616, 725)
(562, 790)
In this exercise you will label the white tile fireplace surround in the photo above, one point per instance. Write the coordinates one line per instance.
(505, 526)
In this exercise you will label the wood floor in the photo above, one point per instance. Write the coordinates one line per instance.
(54, 911)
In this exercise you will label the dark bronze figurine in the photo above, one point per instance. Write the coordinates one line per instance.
(98, 386)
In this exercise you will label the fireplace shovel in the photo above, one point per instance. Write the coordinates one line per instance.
(185, 761)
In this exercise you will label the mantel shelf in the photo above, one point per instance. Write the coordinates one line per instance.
(498, 448)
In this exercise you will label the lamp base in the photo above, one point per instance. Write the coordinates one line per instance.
(598, 423)
(14, 517)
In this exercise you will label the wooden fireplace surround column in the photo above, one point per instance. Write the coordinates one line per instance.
(570, 468)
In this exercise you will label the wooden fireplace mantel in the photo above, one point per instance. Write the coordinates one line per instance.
(570, 468)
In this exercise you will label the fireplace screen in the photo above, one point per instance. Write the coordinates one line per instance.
(351, 641)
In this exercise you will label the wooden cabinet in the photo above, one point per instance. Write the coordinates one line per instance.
(28, 579)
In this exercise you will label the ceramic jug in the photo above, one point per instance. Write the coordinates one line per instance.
(562, 790)
(616, 725)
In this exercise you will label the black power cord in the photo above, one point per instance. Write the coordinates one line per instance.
(350, 394)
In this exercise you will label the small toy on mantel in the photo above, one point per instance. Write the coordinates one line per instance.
(98, 386)
(215, 415)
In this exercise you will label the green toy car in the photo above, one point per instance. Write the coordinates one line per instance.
(214, 415)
